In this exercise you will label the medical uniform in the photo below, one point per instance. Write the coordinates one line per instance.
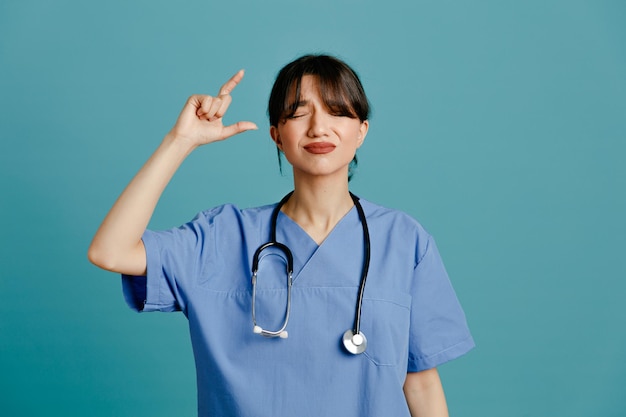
(410, 314)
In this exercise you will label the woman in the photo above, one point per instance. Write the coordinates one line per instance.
(384, 364)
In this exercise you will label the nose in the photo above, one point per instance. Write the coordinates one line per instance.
(318, 124)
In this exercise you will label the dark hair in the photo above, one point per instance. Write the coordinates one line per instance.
(340, 90)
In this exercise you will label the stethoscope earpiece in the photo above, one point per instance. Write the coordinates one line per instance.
(283, 334)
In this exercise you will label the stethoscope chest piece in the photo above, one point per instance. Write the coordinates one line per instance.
(354, 343)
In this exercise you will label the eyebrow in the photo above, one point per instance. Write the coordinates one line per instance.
(298, 103)
(291, 109)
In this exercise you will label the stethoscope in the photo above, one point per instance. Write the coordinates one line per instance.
(353, 339)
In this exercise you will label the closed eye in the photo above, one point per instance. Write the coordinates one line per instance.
(341, 111)
(297, 115)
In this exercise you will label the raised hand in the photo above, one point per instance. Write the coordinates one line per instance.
(200, 121)
(117, 245)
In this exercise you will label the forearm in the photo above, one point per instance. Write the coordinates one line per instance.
(424, 394)
(117, 244)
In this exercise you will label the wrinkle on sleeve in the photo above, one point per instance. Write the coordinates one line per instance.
(174, 260)
(439, 330)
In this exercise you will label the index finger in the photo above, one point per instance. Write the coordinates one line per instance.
(231, 84)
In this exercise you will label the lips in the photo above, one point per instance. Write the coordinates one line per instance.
(320, 147)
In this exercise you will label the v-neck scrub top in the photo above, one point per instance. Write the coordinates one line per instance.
(410, 315)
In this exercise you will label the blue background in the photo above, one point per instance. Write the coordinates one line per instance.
(500, 125)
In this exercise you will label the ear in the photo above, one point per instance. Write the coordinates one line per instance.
(276, 137)
(365, 125)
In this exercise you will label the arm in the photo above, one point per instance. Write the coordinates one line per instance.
(424, 394)
(117, 245)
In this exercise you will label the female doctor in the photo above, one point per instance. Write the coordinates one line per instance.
(295, 271)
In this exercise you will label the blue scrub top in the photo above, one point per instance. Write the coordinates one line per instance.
(410, 315)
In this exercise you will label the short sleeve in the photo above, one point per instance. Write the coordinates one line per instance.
(173, 259)
(439, 330)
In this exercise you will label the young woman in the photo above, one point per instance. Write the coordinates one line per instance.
(353, 299)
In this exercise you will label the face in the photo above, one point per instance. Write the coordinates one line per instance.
(315, 141)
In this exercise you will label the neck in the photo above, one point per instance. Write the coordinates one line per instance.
(317, 206)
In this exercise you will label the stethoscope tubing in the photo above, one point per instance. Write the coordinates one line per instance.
(354, 341)
(366, 264)
(255, 267)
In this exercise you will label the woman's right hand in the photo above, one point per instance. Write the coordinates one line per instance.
(117, 245)
(200, 121)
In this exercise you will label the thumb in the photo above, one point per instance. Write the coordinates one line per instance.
(237, 128)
